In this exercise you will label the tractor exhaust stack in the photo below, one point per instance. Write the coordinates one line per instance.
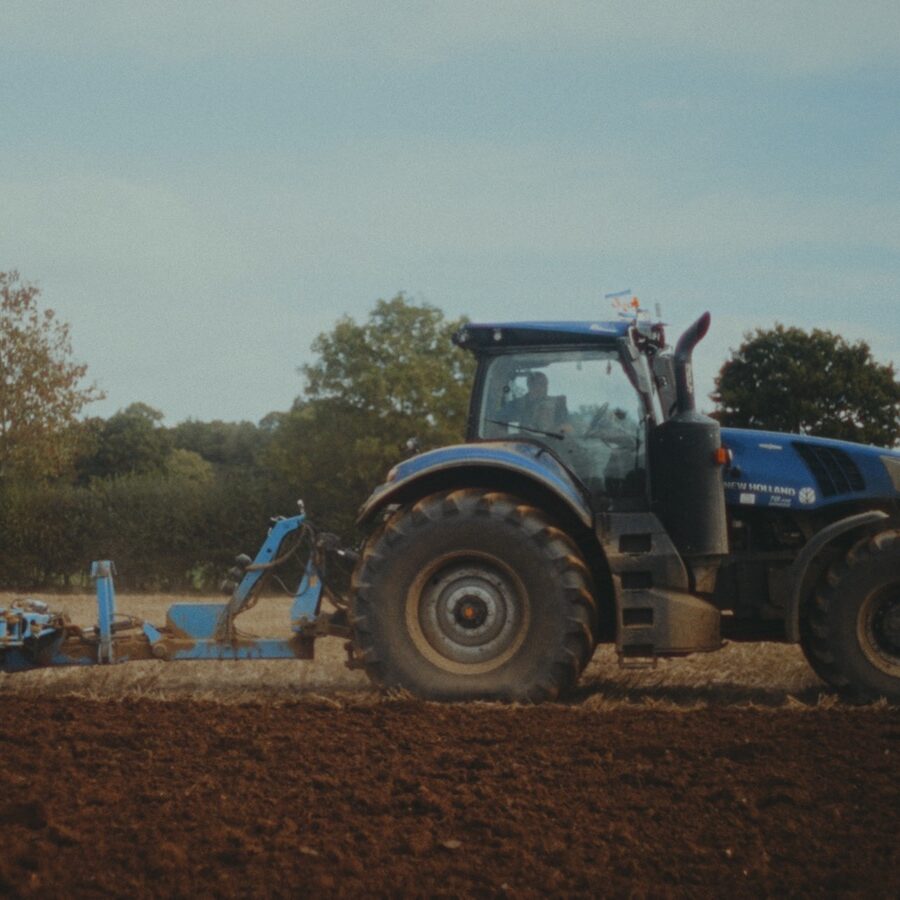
(684, 376)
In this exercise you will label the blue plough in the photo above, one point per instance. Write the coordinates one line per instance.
(33, 635)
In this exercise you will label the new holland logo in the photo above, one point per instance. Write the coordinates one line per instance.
(807, 495)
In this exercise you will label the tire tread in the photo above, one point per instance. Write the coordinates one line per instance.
(819, 643)
(580, 613)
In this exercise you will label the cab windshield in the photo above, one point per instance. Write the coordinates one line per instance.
(581, 404)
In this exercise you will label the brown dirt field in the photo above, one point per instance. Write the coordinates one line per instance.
(731, 772)
(151, 798)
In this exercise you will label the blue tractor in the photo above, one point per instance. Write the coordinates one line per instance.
(592, 503)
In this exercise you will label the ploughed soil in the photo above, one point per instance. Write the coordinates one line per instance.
(161, 798)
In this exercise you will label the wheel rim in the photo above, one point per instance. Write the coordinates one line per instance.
(468, 613)
(879, 629)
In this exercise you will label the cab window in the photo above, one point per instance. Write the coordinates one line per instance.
(581, 405)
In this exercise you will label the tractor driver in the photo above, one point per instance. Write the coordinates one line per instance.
(536, 409)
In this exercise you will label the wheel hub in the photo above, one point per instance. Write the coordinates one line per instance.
(471, 612)
(880, 621)
(886, 625)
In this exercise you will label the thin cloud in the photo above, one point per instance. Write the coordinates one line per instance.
(788, 38)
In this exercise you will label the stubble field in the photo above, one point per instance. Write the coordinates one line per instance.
(735, 771)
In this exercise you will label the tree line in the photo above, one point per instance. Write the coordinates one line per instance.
(172, 506)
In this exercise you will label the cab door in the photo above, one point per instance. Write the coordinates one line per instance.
(582, 406)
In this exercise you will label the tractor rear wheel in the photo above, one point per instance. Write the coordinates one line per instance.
(852, 630)
(473, 594)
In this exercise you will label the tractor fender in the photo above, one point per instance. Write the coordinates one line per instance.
(800, 567)
(504, 465)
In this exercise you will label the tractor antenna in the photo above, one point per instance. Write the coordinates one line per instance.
(626, 304)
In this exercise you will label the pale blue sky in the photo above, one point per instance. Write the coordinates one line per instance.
(202, 187)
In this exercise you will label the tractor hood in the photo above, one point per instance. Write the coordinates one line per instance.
(520, 459)
(806, 473)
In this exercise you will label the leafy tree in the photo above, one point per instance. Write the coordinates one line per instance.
(400, 366)
(131, 442)
(374, 385)
(189, 466)
(221, 443)
(786, 379)
(41, 388)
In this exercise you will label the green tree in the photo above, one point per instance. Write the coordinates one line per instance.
(189, 466)
(787, 379)
(41, 388)
(222, 443)
(374, 385)
(132, 442)
(400, 366)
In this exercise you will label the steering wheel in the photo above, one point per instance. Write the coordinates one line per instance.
(598, 425)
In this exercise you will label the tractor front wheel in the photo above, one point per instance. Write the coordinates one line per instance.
(852, 631)
(473, 594)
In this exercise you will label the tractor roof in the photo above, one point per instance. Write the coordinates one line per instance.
(478, 335)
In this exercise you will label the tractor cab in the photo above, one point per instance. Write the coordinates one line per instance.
(586, 391)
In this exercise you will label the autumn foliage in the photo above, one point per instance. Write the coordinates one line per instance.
(42, 390)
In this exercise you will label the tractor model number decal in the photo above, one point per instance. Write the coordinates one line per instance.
(778, 494)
